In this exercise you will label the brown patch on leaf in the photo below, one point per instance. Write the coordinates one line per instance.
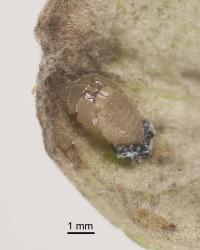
(162, 152)
(159, 126)
(73, 155)
(150, 220)
(120, 188)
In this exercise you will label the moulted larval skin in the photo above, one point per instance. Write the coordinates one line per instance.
(150, 49)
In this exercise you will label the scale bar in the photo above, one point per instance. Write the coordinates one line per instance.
(80, 232)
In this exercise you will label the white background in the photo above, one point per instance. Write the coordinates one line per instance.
(36, 200)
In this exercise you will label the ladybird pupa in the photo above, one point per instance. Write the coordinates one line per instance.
(104, 110)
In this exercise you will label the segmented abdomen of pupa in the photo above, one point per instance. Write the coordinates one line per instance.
(104, 110)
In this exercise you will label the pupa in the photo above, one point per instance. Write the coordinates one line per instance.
(105, 111)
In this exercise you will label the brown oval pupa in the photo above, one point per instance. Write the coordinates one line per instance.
(103, 109)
